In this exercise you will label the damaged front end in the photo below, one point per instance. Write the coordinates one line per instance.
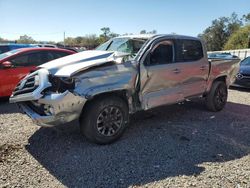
(56, 93)
(47, 99)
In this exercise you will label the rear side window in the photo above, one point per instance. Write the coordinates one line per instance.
(188, 50)
(60, 54)
(36, 59)
(51, 55)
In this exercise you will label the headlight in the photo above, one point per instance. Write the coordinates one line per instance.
(61, 84)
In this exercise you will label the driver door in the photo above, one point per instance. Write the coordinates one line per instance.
(161, 78)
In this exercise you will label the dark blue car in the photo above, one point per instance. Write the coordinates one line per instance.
(8, 47)
(243, 77)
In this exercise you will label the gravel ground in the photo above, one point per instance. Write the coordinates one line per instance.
(175, 146)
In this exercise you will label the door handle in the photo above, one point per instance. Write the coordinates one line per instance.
(203, 68)
(176, 71)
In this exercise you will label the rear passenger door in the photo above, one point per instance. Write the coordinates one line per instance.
(193, 66)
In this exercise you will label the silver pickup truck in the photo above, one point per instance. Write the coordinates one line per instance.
(127, 74)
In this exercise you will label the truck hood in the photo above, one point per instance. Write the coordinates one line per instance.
(69, 65)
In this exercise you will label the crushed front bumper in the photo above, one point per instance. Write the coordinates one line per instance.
(65, 107)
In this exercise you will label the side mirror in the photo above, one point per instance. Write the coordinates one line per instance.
(6, 64)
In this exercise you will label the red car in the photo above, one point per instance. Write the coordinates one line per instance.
(16, 64)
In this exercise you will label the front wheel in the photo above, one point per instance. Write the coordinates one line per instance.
(217, 97)
(104, 120)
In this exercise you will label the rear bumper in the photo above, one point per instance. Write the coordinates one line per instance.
(66, 107)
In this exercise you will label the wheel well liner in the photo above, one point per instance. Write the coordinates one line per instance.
(221, 78)
(120, 93)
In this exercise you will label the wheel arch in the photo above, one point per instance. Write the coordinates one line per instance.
(122, 94)
(223, 78)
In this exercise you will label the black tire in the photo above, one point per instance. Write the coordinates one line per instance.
(104, 120)
(216, 99)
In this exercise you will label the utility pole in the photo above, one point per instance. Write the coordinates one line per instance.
(64, 38)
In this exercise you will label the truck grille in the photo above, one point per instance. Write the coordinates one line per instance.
(27, 85)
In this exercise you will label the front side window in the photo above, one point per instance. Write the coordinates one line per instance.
(36, 59)
(51, 55)
(161, 54)
(188, 50)
(20, 61)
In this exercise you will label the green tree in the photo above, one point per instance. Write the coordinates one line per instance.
(149, 32)
(218, 33)
(106, 35)
(106, 32)
(25, 39)
(152, 32)
(112, 35)
(233, 24)
(215, 36)
(69, 41)
(240, 39)
(90, 41)
(246, 18)
(3, 40)
(78, 40)
(143, 31)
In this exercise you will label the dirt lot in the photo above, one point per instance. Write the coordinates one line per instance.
(176, 146)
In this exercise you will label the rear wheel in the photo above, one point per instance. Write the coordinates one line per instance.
(104, 120)
(217, 97)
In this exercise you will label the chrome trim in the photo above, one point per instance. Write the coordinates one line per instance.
(36, 94)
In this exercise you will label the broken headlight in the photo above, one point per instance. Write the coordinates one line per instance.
(61, 84)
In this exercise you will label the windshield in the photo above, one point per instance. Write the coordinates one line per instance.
(246, 61)
(126, 45)
(9, 53)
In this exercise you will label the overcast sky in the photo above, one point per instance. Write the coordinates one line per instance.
(47, 19)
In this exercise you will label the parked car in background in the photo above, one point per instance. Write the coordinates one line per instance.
(127, 74)
(243, 76)
(221, 55)
(68, 48)
(16, 64)
(8, 47)
(46, 45)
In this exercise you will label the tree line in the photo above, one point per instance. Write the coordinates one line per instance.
(224, 33)
(88, 41)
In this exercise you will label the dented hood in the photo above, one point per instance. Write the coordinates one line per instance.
(69, 65)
